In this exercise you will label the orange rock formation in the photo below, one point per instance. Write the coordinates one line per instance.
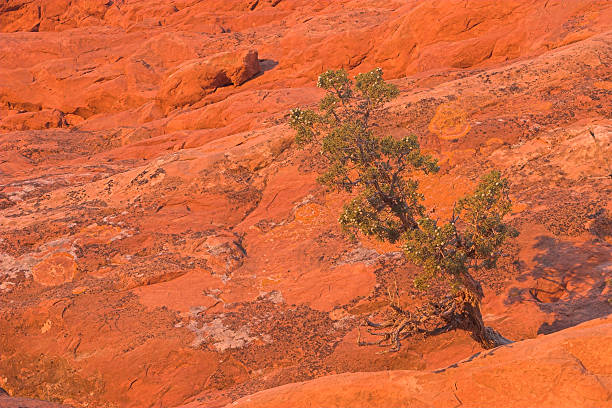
(162, 243)
(518, 375)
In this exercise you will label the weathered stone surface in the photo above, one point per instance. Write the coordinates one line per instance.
(158, 251)
(44, 119)
(8, 402)
(194, 79)
(56, 269)
(566, 369)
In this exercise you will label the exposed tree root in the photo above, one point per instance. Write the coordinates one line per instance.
(461, 311)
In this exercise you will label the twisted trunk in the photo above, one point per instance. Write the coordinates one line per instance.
(466, 315)
(461, 311)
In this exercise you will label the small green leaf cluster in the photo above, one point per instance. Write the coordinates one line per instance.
(372, 87)
(303, 122)
(470, 240)
(482, 215)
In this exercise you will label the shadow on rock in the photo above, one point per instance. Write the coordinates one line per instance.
(570, 281)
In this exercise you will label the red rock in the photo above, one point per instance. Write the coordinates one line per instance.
(188, 254)
(56, 269)
(8, 402)
(44, 119)
(191, 81)
(566, 369)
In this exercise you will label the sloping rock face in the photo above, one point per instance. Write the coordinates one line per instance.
(163, 243)
(570, 368)
(7, 402)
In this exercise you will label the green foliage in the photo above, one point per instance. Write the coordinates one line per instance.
(371, 87)
(482, 215)
(380, 170)
(471, 239)
(378, 166)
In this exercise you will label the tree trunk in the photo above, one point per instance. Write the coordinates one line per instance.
(466, 315)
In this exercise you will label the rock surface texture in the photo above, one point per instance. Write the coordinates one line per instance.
(163, 244)
(9, 402)
(518, 375)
